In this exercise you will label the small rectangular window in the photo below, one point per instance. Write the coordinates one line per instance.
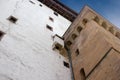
(40, 5)
(66, 64)
(50, 18)
(12, 19)
(31, 2)
(1, 34)
(49, 27)
(56, 13)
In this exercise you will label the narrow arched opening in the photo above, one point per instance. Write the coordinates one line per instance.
(82, 74)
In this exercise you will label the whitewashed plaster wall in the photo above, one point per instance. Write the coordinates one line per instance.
(26, 48)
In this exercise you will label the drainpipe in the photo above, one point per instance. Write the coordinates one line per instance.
(70, 60)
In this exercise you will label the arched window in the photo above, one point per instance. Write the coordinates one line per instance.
(82, 74)
(1, 34)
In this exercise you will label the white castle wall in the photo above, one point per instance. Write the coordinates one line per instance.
(26, 48)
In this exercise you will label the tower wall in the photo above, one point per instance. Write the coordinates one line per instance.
(94, 44)
(26, 51)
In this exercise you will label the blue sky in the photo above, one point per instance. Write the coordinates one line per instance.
(110, 9)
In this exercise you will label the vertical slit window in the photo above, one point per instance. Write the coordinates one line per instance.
(82, 74)
(49, 27)
(77, 52)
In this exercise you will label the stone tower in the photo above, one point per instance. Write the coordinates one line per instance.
(94, 47)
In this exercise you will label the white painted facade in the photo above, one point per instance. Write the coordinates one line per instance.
(26, 48)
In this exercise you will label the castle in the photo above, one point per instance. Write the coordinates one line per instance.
(46, 40)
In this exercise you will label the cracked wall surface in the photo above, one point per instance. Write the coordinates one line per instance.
(26, 48)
